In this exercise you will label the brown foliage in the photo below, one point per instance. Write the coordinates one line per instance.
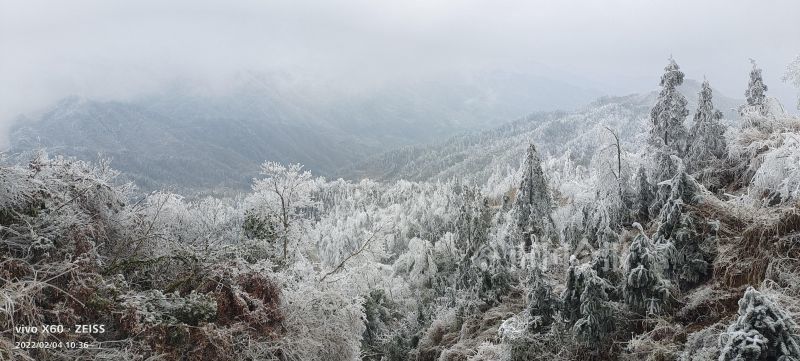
(183, 342)
(744, 260)
(249, 297)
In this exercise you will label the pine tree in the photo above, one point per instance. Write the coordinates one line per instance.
(533, 203)
(472, 231)
(756, 91)
(540, 300)
(377, 312)
(596, 320)
(599, 219)
(645, 196)
(669, 112)
(586, 303)
(473, 223)
(646, 291)
(761, 332)
(571, 296)
(495, 282)
(606, 264)
(707, 141)
(688, 263)
(666, 166)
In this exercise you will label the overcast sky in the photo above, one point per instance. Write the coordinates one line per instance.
(115, 49)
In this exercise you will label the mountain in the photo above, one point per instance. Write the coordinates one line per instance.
(158, 149)
(477, 155)
(194, 139)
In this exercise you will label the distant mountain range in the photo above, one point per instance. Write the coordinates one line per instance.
(191, 141)
(187, 139)
(477, 155)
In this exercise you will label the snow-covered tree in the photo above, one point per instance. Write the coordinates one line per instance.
(689, 258)
(792, 75)
(378, 312)
(646, 291)
(707, 141)
(586, 306)
(665, 166)
(669, 112)
(541, 303)
(644, 197)
(756, 91)
(493, 270)
(473, 222)
(777, 178)
(762, 332)
(533, 204)
(571, 296)
(279, 201)
(322, 323)
(605, 263)
(596, 318)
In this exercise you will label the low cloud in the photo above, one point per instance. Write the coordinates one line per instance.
(114, 49)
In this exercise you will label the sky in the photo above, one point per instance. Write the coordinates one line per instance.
(114, 49)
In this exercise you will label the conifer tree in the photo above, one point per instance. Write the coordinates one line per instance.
(533, 203)
(756, 90)
(707, 141)
(606, 264)
(495, 282)
(644, 197)
(667, 166)
(472, 230)
(586, 303)
(668, 135)
(540, 300)
(646, 291)
(473, 221)
(761, 332)
(669, 112)
(596, 320)
(571, 296)
(688, 263)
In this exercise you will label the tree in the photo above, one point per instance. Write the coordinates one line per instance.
(669, 112)
(473, 222)
(596, 320)
(762, 332)
(540, 299)
(606, 264)
(707, 141)
(571, 296)
(689, 262)
(378, 312)
(665, 167)
(792, 75)
(285, 194)
(756, 91)
(586, 302)
(646, 291)
(645, 196)
(533, 203)
(668, 135)
(472, 234)
(495, 282)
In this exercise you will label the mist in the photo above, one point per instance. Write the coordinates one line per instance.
(118, 50)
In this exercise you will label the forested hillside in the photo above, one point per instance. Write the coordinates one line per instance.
(577, 135)
(210, 141)
(660, 231)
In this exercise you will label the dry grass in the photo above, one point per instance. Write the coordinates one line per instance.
(744, 260)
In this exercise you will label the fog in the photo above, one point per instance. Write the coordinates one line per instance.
(115, 50)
